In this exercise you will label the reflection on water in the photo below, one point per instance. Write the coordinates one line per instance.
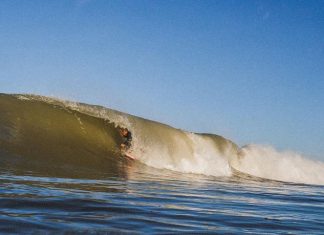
(147, 200)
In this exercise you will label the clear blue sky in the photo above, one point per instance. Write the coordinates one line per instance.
(252, 71)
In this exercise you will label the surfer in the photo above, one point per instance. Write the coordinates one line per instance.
(127, 135)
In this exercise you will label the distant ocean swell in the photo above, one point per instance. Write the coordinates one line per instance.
(45, 134)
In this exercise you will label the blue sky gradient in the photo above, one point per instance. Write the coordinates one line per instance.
(251, 71)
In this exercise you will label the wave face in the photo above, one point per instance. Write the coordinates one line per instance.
(51, 135)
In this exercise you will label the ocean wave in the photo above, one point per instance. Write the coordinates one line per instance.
(47, 132)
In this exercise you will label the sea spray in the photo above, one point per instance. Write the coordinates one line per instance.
(266, 162)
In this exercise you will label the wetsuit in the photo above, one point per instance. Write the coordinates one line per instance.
(128, 140)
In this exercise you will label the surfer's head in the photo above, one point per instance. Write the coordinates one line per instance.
(124, 131)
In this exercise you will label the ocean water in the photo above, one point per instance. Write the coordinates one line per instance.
(155, 201)
(61, 171)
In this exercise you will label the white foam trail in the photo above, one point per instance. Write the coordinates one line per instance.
(266, 162)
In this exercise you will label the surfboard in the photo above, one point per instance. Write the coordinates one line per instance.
(130, 156)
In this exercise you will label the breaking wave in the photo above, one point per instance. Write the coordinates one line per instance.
(47, 134)
(266, 162)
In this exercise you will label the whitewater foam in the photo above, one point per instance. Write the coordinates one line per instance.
(192, 153)
(266, 162)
